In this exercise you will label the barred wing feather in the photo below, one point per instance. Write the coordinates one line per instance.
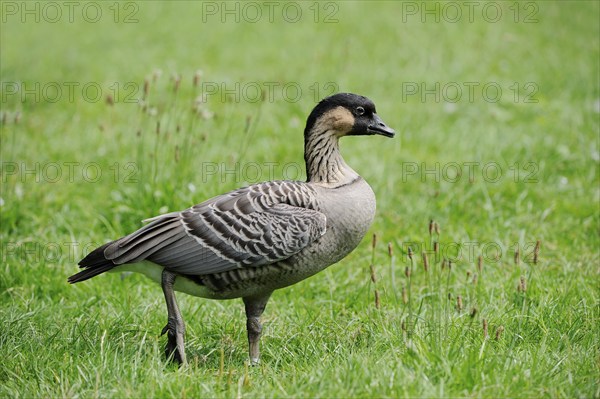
(249, 227)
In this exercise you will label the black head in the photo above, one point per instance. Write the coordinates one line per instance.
(347, 114)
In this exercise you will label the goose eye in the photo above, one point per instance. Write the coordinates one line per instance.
(360, 110)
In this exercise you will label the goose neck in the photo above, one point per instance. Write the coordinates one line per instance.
(324, 163)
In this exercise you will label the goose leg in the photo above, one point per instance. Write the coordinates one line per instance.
(255, 306)
(175, 327)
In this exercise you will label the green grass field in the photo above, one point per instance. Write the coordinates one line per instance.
(497, 107)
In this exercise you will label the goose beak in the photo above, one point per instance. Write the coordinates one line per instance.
(377, 126)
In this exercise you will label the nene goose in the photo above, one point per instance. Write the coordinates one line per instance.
(254, 240)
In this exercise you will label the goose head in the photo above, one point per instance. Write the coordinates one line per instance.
(346, 114)
(340, 115)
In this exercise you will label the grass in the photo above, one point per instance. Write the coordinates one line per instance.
(324, 337)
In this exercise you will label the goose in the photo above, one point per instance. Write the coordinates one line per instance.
(260, 238)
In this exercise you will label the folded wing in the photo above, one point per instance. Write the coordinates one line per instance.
(249, 227)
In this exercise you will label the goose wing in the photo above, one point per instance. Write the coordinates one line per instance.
(249, 227)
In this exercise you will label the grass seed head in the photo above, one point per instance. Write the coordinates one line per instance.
(425, 262)
(473, 312)
(374, 241)
(197, 77)
(177, 80)
(407, 271)
(475, 279)
(436, 227)
(468, 275)
(377, 300)
(436, 248)
(373, 276)
(410, 253)
(17, 118)
(485, 328)
(459, 303)
(146, 88)
(536, 252)
(110, 100)
(404, 296)
(390, 250)
(499, 332)
(480, 263)
(522, 284)
(431, 227)
(517, 256)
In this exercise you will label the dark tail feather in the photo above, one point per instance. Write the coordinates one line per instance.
(94, 264)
